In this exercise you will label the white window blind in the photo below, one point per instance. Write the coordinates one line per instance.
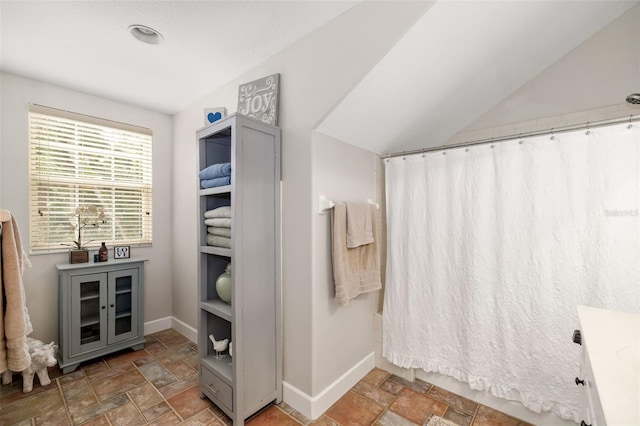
(78, 160)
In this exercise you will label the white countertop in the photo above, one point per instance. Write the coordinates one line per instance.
(612, 341)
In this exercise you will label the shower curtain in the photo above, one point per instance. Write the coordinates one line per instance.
(491, 247)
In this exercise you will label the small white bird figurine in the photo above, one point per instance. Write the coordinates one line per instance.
(219, 346)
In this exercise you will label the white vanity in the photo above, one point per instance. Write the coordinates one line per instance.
(610, 367)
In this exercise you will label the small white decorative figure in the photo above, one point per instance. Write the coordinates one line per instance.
(42, 357)
(219, 346)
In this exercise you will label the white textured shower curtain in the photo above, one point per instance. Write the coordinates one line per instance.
(490, 249)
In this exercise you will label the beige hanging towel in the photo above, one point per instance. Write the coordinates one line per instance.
(355, 270)
(15, 324)
(359, 224)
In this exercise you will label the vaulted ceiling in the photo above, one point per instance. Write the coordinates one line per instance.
(459, 60)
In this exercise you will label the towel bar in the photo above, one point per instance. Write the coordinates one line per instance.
(324, 204)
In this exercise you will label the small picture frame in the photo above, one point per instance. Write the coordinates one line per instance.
(121, 252)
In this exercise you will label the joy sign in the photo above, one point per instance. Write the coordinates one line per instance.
(259, 99)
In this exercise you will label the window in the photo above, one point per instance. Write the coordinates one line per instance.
(78, 160)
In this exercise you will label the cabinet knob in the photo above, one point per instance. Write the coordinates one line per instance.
(583, 423)
(577, 337)
(112, 305)
(103, 307)
(579, 382)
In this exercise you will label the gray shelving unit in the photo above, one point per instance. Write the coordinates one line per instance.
(243, 384)
(101, 309)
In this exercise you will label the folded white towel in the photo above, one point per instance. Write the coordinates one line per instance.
(218, 241)
(359, 219)
(224, 211)
(355, 270)
(222, 222)
(216, 230)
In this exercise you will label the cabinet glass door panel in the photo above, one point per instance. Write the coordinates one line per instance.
(88, 312)
(123, 296)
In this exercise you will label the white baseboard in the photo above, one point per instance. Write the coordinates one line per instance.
(185, 329)
(157, 325)
(313, 406)
(166, 323)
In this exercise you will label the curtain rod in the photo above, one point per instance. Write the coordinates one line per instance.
(562, 129)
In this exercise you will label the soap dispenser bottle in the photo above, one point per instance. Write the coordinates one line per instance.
(103, 253)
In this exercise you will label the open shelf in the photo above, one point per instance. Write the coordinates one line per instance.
(216, 190)
(222, 367)
(220, 251)
(217, 307)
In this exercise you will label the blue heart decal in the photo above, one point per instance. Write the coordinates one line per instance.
(214, 117)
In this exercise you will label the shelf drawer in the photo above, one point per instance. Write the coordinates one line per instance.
(216, 389)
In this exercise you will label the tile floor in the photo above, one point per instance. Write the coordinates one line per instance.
(159, 386)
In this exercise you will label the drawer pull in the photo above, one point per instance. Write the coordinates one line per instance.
(583, 423)
(212, 389)
(579, 382)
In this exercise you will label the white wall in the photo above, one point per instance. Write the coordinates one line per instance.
(341, 172)
(41, 280)
(316, 72)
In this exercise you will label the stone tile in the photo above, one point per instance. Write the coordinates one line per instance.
(179, 386)
(417, 385)
(107, 373)
(94, 367)
(125, 415)
(99, 409)
(154, 347)
(33, 405)
(486, 416)
(285, 407)
(125, 357)
(389, 418)
(144, 360)
(70, 377)
(98, 421)
(156, 411)
(192, 361)
(300, 417)
(144, 396)
(179, 369)
(376, 377)
(170, 337)
(204, 417)
(108, 387)
(323, 420)
(458, 417)
(391, 387)
(156, 374)
(354, 410)
(78, 395)
(416, 406)
(169, 419)
(462, 404)
(175, 353)
(225, 419)
(26, 422)
(188, 403)
(272, 416)
(374, 393)
(58, 417)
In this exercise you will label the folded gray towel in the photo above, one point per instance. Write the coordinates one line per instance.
(216, 230)
(224, 211)
(218, 241)
(222, 222)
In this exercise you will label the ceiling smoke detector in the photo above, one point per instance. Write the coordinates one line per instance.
(146, 34)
